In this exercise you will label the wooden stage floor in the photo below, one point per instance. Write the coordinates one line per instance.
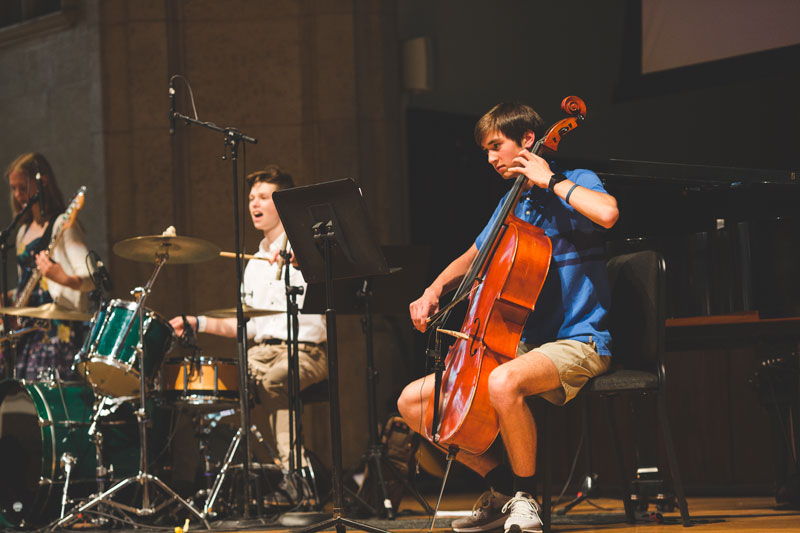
(730, 514)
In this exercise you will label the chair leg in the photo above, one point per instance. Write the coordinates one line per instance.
(547, 462)
(673, 460)
(587, 436)
(623, 475)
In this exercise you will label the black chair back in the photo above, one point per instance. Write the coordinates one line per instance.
(637, 310)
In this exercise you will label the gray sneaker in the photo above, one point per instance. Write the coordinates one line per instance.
(487, 514)
(523, 514)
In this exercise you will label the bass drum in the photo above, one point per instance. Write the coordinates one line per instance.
(40, 424)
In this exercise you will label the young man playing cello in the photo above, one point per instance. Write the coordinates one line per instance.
(565, 341)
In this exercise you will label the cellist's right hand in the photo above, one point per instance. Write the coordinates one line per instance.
(422, 308)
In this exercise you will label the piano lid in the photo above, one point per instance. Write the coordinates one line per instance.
(701, 176)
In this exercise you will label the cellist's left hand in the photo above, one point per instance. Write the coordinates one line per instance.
(536, 169)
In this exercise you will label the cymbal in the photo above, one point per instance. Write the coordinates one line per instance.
(179, 249)
(230, 312)
(47, 312)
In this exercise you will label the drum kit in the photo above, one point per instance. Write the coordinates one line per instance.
(62, 442)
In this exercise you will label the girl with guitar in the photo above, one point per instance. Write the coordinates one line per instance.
(60, 264)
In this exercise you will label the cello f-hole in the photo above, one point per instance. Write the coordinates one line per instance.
(476, 324)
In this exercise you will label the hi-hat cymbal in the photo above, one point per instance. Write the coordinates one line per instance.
(178, 249)
(230, 312)
(47, 311)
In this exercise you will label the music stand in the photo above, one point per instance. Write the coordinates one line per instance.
(409, 266)
(331, 238)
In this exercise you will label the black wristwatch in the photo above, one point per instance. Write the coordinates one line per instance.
(556, 178)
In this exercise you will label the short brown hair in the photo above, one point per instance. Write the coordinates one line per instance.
(512, 120)
(271, 174)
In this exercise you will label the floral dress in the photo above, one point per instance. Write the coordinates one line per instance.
(40, 352)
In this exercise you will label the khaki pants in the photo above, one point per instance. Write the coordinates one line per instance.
(576, 362)
(269, 367)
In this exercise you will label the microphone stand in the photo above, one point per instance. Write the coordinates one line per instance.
(5, 346)
(231, 138)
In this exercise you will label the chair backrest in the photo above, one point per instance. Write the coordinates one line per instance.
(637, 310)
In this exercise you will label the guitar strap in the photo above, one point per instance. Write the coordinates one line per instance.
(47, 236)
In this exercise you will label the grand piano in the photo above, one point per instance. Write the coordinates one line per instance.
(731, 242)
(729, 235)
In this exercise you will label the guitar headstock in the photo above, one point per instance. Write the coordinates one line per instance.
(75, 205)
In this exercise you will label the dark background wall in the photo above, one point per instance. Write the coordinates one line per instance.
(734, 113)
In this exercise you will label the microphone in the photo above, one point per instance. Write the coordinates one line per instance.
(105, 277)
(41, 193)
(171, 108)
(99, 273)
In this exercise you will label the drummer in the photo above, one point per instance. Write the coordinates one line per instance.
(65, 276)
(268, 358)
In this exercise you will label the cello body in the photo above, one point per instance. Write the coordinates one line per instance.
(504, 283)
(500, 303)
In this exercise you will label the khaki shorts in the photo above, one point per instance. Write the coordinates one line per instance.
(576, 362)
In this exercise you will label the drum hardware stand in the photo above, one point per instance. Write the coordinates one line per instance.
(67, 460)
(231, 139)
(13, 335)
(202, 432)
(226, 464)
(143, 477)
(97, 438)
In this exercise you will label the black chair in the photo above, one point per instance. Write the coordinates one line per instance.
(637, 328)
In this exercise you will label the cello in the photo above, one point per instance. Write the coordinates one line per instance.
(502, 284)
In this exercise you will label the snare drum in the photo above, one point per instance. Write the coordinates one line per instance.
(205, 383)
(108, 359)
(40, 422)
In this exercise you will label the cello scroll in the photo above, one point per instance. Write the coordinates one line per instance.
(576, 108)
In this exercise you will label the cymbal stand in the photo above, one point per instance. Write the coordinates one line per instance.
(143, 477)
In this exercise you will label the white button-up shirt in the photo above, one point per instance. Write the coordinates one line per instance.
(263, 291)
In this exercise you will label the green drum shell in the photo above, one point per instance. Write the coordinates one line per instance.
(39, 422)
(109, 362)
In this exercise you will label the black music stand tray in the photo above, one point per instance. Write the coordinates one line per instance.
(331, 238)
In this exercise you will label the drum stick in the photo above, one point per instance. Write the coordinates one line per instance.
(246, 256)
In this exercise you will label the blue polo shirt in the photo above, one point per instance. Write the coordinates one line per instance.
(575, 298)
